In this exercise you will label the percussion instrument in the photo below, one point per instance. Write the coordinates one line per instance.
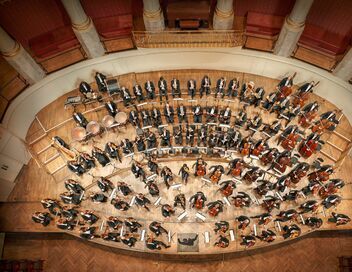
(108, 121)
(93, 128)
(121, 118)
(78, 134)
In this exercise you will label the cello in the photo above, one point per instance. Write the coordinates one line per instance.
(282, 163)
(284, 92)
(228, 190)
(215, 177)
(199, 203)
(308, 148)
(237, 169)
(307, 118)
(290, 141)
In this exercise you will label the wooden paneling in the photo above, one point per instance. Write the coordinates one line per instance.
(260, 43)
(118, 44)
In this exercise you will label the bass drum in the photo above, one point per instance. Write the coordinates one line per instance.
(121, 118)
(108, 121)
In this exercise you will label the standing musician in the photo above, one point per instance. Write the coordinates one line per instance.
(263, 219)
(126, 96)
(156, 228)
(308, 113)
(153, 189)
(175, 88)
(138, 93)
(184, 171)
(267, 236)
(302, 93)
(270, 100)
(127, 146)
(100, 80)
(180, 199)
(234, 85)
(292, 231)
(80, 119)
(246, 91)
(331, 201)
(202, 135)
(89, 217)
(111, 108)
(322, 174)
(120, 204)
(182, 113)
(211, 114)
(169, 113)
(310, 145)
(52, 205)
(134, 118)
(243, 222)
(152, 164)
(257, 97)
(253, 174)
(153, 244)
(167, 175)
(76, 167)
(139, 142)
(282, 161)
(288, 215)
(142, 201)
(339, 219)
(241, 117)
(215, 207)
(221, 227)
(151, 139)
(162, 84)
(242, 199)
(217, 171)
(225, 116)
(178, 135)
(105, 185)
(200, 167)
(145, 118)
(271, 202)
(74, 186)
(198, 200)
(132, 224)
(123, 188)
(222, 242)
(268, 156)
(309, 206)
(190, 134)
(226, 187)
(43, 218)
(112, 150)
(247, 240)
(150, 89)
(197, 114)
(327, 121)
(167, 210)
(156, 117)
(192, 87)
(205, 86)
(220, 87)
(114, 222)
(137, 170)
(100, 156)
(299, 172)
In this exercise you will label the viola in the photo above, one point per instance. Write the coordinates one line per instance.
(200, 170)
(307, 149)
(290, 141)
(284, 92)
(216, 176)
(228, 190)
(199, 204)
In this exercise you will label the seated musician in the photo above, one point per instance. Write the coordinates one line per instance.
(246, 91)
(292, 231)
(313, 222)
(241, 118)
(120, 204)
(182, 113)
(225, 116)
(247, 240)
(100, 156)
(257, 97)
(198, 200)
(65, 224)
(151, 139)
(80, 119)
(86, 160)
(112, 150)
(292, 129)
(126, 96)
(264, 187)
(111, 108)
(253, 174)
(167, 210)
(71, 198)
(282, 161)
(100, 80)
(74, 186)
(124, 188)
(197, 114)
(175, 88)
(153, 244)
(192, 88)
(60, 142)
(243, 222)
(153, 165)
(146, 119)
(331, 201)
(162, 84)
(105, 185)
(310, 145)
(281, 105)
(286, 82)
(169, 113)
(234, 85)
(339, 219)
(88, 233)
(127, 146)
(70, 213)
(327, 121)
(153, 189)
(263, 219)
(308, 113)
(221, 227)
(220, 88)
(245, 146)
(132, 224)
(138, 93)
(283, 183)
(270, 101)
(52, 205)
(215, 207)
(271, 202)
(290, 113)
(139, 142)
(156, 117)
(156, 228)
(292, 195)
(267, 236)
(200, 167)
(227, 187)
(167, 176)
(236, 167)
(288, 215)
(212, 140)
(331, 187)
(114, 222)
(86, 90)
(211, 113)
(216, 173)
(222, 242)
(306, 88)
(180, 199)
(272, 129)
(89, 217)
(235, 137)
(269, 156)
(165, 137)
(150, 89)
(312, 188)
(322, 174)
(43, 218)
(76, 167)
(184, 172)
(259, 147)
(128, 240)
(142, 201)
(134, 118)
(205, 86)
(111, 236)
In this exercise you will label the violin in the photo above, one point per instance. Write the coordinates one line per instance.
(307, 149)
(245, 149)
(284, 92)
(237, 170)
(200, 170)
(258, 150)
(290, 141)
(199, 203)
(228, 190)
(213, 211)
(216, 176)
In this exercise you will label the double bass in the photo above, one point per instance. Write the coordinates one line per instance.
(200, 170)
(214, 211)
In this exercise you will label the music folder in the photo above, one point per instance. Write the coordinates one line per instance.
(232, 235)
(200, 216)
(206, 180)
(176, 186)
(152, 177)
(207, 237)
(142, 235)
(181, 216)
(227, 201)
(157, 202)
(255, 229)
(132, 201)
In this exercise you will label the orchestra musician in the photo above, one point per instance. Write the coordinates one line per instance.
(152, 164)
(247, 240)
(222, 242)
(100, 80)
(137, 170)
(322, 174)
(151, 139)
(290, 113)
(198, 200)
(331, 187)
(165, 137)
(86, 160)
(114, 222)
(292, 195)
(128, 240)
(145, 118)
(211, 114)
(291, 231)
(339, 219)
(89, 217)
(331, 201)
(215, 207)
(132, 224)
(100, 156)
(313, 222)
(282, 161)
(178, 135)
(310, 145)
(327, 121)
(283, 183)
(152, 188)
(221, 227)
(220, 87)
(205, 86)
(288, 215)
(169, 113)
(65, 224)
(308, 113)
(139, 142)
(167, 210)
(259, 147)
(309, 206)
(286, 82)
(80, 119)
(134, 118)
(202, 135)
(138, 93)
(150, 89)
(127, 146)
(98, 197)
(263, 219)
(156, 117)
(180, 199)
(245, 146)
(257, 97)
(264, 187)
(192, 87)
(43, 218)
(312, 188)
(268, 156)
(227, 187)
(86, 90)
(299, 172)
(233, 87)
(270, 101)
(126, 96)
(120, 204)
(200, 167)
(267, 236)
(243, 222)
(111, 236)
(253, 174)
(184, 172)
(302, 93)
(153, 244)
(112, 150)
(76, 167)
(105, 185)
(271, 202)
(216, 173)
(88, 232)
(162, 84)
(246, 91)
(70, 213)
(290, 136)
(225, 116)
(73, 186)
(182, 113)
(156, 228)
(241, 117)
(175, 88)
(235, 138)
(52, 205)
(197, 114)
(142, 201)
(242, 199)
(167, 176)
(123, 188)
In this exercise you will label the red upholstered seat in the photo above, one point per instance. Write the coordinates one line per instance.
(54, 42)
(322, 40)
(114, 26)
(263, 24)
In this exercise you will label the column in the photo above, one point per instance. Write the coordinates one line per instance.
(344, 68)
(292, 28)
(20, 59)
(84, 29)
(223, 15)
(153, 16)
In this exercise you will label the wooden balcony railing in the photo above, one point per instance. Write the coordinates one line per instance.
(196, 38)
